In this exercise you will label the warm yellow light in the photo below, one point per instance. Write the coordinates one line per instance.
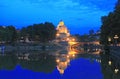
(57, 34)
(73, 55)
(72, 52)
(116, 71)
(60, 70)
(65, 63)
(57, 60)
(61, 23)
(109, 39)
(109, 62)
(116, 37)
(71, 43)
(73, 39)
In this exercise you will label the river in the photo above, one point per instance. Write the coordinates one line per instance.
(65, 64)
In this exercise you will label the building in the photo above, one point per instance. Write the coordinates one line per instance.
(62, 32)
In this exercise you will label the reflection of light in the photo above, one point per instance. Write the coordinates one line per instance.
(57, 60)
(109, 62)
(98, 60)
(67, 56)
(62, 66)
(71, 43)
(73, 55)
(60, 70)
(64, 61)
(68, 60)
(116, 71)
(97, 53)
(72, 52)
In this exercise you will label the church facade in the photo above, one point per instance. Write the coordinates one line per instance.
(63, 33)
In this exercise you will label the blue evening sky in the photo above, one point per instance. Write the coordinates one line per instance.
(79, 15)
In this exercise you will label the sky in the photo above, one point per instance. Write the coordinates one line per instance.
(79, 16)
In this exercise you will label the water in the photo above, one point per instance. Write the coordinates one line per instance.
(55, 65)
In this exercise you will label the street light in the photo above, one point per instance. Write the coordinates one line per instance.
(116, 71)
(116, 37)
(109, 62)
(109, 40)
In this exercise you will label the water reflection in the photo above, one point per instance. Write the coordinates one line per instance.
(110, 67)
(63, 60)
(36, 61)
(45, 61)
(69, 63)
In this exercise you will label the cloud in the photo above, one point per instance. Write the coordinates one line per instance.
(74, 12)
(81, 6)
(99, 4)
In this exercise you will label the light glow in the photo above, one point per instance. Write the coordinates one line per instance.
(109, 62)
(116, 71)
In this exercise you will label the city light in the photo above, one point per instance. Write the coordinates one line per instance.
(116, 71)
(109, 62)
(57, 60)
(57, 34)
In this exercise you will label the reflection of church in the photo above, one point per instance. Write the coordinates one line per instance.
(62, 65)
(62, 32)
(63, 61)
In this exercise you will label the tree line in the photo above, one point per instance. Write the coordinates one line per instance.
(111, 25)
(42, 32)
(90, 37)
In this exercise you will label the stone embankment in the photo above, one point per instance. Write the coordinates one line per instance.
(115, 51)
(30, 47)
(114, 54)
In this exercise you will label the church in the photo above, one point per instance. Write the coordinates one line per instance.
(63, 33)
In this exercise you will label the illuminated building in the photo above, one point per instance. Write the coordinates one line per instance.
(62, 32)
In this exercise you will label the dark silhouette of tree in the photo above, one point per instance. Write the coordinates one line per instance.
(111, 25)
(8, 34)
(12, 33)
(39, 32)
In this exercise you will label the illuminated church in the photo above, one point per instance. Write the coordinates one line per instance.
(62, 32)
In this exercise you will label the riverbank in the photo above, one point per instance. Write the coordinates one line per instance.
(31, 47)
(113, 54)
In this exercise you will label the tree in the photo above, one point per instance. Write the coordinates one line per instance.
(110, 24)
(8, 34)
(39, 32)
(91, 32)
(11, 34)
